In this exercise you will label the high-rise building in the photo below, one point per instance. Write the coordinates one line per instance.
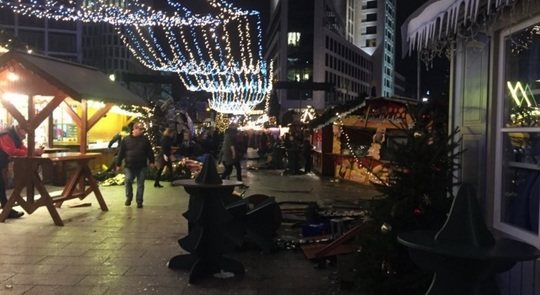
(330, 51)
(102, 47)
(53, 38)
(371, 26)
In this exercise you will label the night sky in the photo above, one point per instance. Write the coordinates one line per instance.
(432, 79)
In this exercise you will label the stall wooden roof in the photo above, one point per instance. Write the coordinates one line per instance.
(34, 75)
(333, 114)
(75, 80)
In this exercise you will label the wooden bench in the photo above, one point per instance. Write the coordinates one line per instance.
(80, 184)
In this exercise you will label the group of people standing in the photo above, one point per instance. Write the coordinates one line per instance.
(135, 154)
(136, 151)
(290, 150)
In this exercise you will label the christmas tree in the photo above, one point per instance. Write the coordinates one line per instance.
(416, 196)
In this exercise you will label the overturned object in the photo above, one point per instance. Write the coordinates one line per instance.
(260, 216)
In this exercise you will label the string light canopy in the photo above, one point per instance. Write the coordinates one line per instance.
(134, 13)
(212, 52)
(235, 103)
(219, 58)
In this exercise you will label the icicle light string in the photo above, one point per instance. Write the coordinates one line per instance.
(209, 65)
(425, 28)
(486, 22)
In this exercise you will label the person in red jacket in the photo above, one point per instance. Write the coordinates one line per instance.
(11, 145)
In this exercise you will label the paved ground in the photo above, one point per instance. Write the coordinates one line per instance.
(125, 250)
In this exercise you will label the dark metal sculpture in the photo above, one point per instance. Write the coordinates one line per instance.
(464, 254)
(218, 222)
(212, 232)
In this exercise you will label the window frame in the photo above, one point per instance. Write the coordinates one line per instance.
(501, 130)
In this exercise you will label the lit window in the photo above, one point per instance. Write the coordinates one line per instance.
(293, 39)
(520, 137)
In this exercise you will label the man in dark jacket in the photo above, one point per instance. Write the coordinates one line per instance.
(137, 152)
(11, 145)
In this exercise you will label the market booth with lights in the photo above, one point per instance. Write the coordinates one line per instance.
(64, 106)
(67, 108)
(350, 143)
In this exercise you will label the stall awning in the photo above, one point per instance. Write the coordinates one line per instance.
(340, 111)
(438, 18)
(76, 80)
(332, 114)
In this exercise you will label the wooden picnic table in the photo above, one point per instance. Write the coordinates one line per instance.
(80, 184)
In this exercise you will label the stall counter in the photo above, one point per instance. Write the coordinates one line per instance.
(363, 170)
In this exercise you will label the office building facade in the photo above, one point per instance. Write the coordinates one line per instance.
(325, 52)
(58, 39)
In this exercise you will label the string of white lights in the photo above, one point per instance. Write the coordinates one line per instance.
(213, 56)
(243, 100)
(237, 83)
(347, 139)
(239, 103)
(225, 62)
(101, 11)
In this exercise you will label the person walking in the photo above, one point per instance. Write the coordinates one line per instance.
(137, 152)
(228, 151)
(307, 150)
(11, 145)
(231, 154)
(240, 148)
(116, 139)
(165, 157)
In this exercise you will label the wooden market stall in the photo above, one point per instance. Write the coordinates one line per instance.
(350, 144)
(64, 106)
(42, 84)
(32, 87)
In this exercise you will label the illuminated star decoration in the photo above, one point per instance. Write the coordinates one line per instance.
(209, 53)
(307, 115)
